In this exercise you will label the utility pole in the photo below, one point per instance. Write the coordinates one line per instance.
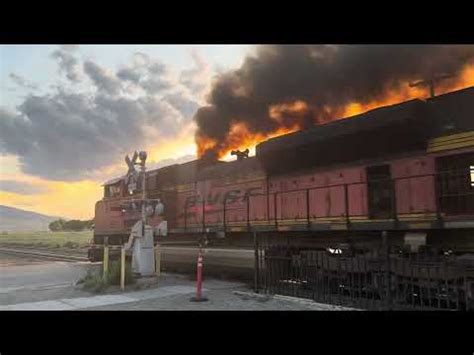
(142, 155)
(431, 82)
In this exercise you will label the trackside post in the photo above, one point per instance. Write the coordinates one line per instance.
(106, 261)
(157, 260)
(122, 268)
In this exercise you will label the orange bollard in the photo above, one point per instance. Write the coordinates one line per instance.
(199, 297)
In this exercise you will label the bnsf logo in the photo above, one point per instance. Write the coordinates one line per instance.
(229, 197)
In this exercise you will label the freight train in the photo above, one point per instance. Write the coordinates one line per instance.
(405, 171)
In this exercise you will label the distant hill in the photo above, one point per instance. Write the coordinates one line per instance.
(16, 220)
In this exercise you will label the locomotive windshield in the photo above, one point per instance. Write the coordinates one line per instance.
(112, 190)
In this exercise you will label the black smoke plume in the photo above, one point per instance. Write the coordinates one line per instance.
(325, 77)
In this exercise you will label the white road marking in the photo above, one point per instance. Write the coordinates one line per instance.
(65, 304)
(96, 301)
(34, 288)
(38, 306)
(162, 292)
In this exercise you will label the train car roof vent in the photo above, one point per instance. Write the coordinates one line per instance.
(241, 155)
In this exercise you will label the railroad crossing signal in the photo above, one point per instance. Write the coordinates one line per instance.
(132, 173)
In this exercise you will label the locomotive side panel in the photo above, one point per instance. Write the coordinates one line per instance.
(186, 205)
(414, 185)
(108, 217)
(321, 194)
(336, 194)
(356, 180)
(319, 197)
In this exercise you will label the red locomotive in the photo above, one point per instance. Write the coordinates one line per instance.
(396, 169)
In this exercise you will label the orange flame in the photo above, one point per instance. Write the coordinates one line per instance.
(204, 144)
(406, 93)
(240, 137)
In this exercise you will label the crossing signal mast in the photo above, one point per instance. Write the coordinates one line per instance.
(431, 82)
(142, 235)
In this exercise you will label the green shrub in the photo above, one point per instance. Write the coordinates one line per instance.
(68, 245)
(113, 275)
(93, 282)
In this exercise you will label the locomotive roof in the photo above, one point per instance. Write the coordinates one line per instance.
(380, 117)
(182, 173)
(454, 111)
(388, 130)
(458, 105)
(113, 181)
(250, 165)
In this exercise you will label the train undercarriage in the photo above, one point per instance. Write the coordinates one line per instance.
(368, 270)
(375, 273)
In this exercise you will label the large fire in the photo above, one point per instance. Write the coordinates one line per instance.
(290, 116)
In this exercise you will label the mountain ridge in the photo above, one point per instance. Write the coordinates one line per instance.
(14, 219)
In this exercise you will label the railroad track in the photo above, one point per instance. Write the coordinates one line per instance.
(223, 263)
(42, 254)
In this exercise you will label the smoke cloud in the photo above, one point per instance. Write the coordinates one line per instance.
(303, 85)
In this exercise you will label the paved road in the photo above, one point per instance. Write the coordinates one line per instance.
(26, 279)
(28, 283)
(171, 292)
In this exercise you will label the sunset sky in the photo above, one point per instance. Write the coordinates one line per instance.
(69, 114)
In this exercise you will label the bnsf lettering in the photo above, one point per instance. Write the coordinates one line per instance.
(211, 200)
(232, 196)
(191, 201)
(229, 197)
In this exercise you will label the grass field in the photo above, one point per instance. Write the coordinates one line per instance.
(47, 239)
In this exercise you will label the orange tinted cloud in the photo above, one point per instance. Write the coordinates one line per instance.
(77, 199)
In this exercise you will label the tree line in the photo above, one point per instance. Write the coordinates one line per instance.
(71, 225)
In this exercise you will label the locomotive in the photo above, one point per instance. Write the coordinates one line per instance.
(405, 171)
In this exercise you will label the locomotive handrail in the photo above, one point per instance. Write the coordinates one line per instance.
(355, 183)
(345, 186)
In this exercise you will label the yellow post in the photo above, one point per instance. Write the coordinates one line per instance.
(106, 261)
(122, 269)
(157, 260)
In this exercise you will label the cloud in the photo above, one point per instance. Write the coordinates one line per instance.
(21, 188)
(129, 74)
(71, 135)
(197, 78)
(22, 82)
(156, 85)
(183, 102)
(103, 79)
(66, 136)
(149, 74)
(167, 162)
(68, 63)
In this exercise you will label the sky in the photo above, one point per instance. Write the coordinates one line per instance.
(70, 114)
